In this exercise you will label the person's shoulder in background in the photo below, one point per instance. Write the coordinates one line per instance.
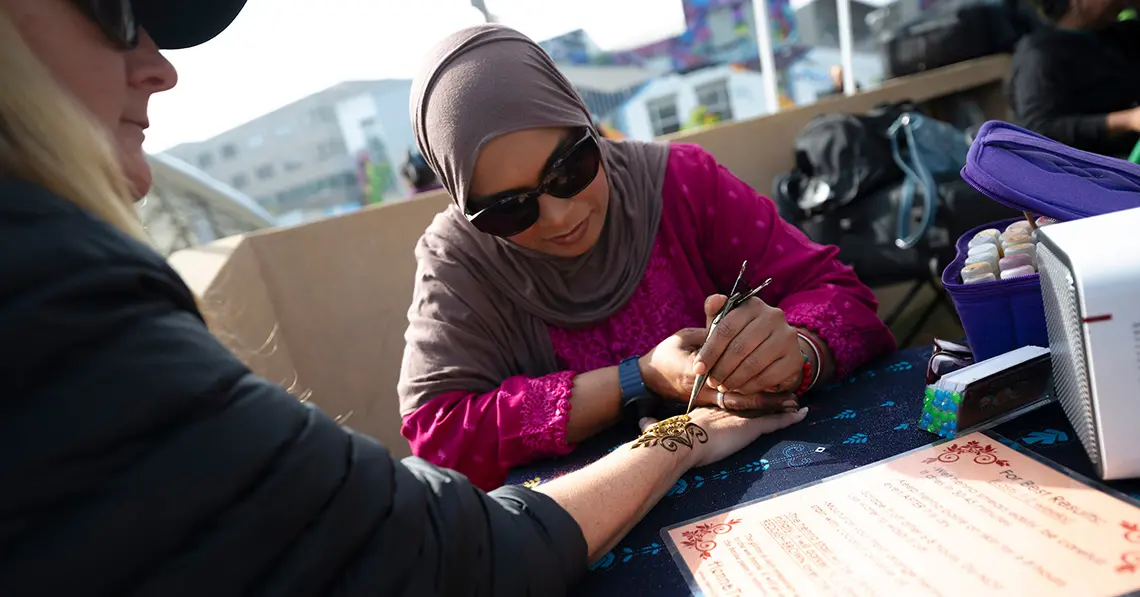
(1124, 37)
(1045, 40)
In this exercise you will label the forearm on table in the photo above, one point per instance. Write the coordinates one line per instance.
(486, 435)
(610, 496)
(595, 403)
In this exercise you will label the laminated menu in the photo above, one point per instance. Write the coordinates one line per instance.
(970, 516)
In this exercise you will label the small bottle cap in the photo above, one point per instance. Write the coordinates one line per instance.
(989, 235)
(1021, 225)
(976, 269)
(1017, 272)
(989, 239)
(1022, 249)
(990, 260)
(984, 249)
(1016, 260)
(986, 277)
(1016, 239)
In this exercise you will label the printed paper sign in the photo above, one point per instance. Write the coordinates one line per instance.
(971, 517)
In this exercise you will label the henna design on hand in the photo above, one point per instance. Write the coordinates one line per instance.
(672, 433)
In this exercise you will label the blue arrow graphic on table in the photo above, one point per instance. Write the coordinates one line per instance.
(1047, 437)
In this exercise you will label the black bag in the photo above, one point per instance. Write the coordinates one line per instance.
(839, 157)
(955, 32)
(846, 190)
(865, 231)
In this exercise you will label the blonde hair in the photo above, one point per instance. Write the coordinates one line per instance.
(48, 138)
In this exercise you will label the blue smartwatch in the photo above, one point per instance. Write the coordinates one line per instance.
(637, 400)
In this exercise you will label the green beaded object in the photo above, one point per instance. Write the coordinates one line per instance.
(940, 412)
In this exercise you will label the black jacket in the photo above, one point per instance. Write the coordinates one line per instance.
(139, 457)
(1064, 83)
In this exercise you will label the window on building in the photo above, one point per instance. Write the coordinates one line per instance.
(283, 130)
(256, 141)
(714, 97)
(324, 114)
(293, 166)
(240, 181)
(265, 172)
(342, 180)
(331, 148)
(205, 160)
(229, 150)
(663, 115)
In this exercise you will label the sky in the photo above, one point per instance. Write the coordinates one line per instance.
(279, 51)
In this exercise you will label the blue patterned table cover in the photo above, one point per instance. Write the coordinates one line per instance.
(867, 417)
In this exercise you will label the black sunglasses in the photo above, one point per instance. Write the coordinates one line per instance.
(511, 212)
(116, 18)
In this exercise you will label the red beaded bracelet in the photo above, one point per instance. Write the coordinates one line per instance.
(805, 385)
(818, 359)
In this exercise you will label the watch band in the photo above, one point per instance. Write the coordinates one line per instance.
(636, 399)
(629, 375)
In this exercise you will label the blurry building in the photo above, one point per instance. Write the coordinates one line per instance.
(817, 25)
(332, 151)
(678, 101)
(605, 89)
(186, 207)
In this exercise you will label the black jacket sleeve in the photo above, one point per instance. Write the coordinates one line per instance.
(1036, 93)
(140, 457)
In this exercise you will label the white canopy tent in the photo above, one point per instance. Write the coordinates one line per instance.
(186, 207)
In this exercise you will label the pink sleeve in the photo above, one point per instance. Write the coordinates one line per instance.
(814, 289)
(484, 436)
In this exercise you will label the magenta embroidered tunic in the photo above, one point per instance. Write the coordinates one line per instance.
(711, 222)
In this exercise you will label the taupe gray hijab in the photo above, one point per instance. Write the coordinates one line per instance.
(481, 304)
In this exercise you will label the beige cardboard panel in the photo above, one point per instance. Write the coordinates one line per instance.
(239, 309)
(332, 295)
(199, 266)
(341, 291)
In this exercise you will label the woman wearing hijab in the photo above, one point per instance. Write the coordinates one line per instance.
(571, 283)
(143, 458)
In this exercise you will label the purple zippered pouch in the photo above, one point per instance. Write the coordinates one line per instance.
(1031, 173)
(1026, 171)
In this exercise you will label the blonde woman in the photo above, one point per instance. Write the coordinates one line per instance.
(139, 456)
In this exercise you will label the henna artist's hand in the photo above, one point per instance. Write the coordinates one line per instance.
(752, 350)
(724, 433)
(668, 371)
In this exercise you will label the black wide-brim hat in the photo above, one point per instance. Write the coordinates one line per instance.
(178, 24)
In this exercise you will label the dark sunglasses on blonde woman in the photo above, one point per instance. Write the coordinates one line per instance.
(116, 18)
(567, 173)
